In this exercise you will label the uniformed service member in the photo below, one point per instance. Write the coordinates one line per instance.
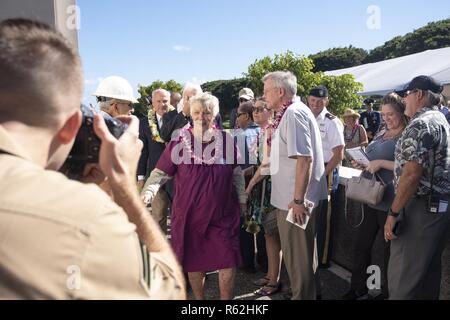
(370, 119)
(418, 220)
(62, 239)
(332, 133)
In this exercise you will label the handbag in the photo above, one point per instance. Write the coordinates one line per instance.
(364, 190)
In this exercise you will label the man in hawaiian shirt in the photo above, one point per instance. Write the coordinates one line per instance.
(419, 215)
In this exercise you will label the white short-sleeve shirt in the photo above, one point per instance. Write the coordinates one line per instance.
(297, 135)
(331, 132)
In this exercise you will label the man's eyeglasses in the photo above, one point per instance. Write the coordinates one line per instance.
(259, 109)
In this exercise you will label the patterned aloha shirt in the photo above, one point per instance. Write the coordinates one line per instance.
(427, 133)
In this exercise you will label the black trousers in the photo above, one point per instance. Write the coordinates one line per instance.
(366, 235)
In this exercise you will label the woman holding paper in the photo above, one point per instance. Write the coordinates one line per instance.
(381, 155)
(354, 134)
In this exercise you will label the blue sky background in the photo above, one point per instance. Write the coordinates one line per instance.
(202, 40)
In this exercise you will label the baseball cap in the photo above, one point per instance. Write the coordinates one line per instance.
(246, 94)
(422, 83)
(319, 92)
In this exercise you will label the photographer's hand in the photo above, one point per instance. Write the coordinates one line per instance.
(93, 174)
(118, 157)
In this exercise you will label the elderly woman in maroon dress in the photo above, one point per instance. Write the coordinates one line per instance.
(209, 188)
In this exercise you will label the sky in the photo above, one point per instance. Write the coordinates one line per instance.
(205, 40)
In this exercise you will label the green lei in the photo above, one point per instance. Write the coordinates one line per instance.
(153, 126)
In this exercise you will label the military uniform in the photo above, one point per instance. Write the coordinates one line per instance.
(61, 239)
(332, 134)
(371, 122)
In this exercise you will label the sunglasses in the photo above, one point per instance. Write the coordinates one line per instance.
(408, 92)
(259, 110)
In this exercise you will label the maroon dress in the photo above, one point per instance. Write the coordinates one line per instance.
(205, 211)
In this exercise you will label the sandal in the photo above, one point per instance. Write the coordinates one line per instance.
(268, 290)
(261, 282)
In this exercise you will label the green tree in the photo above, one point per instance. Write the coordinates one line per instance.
(141, 108)
(299, 65)
(342, 89)
(342, 92)
(227, 92)
(338, 58)
(434, 35)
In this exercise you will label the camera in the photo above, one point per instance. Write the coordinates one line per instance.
(87, 145)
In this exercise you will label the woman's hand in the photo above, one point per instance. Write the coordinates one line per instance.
(250, 187)
(357, 165)
(147, 197)
(374, 166)
(243, 209)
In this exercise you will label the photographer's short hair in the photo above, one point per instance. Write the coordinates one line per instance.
(40, 73)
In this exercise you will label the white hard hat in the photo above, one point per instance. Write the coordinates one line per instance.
(115, 87)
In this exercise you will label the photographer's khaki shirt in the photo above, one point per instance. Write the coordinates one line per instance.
(60, 239)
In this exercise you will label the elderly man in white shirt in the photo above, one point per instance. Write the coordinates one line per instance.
(297, 170)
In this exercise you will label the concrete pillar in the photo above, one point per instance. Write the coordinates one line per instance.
(60, 14)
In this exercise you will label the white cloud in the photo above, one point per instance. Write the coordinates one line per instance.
(181, 48)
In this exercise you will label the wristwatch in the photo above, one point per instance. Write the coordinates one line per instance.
(299, 202)
(392, 213)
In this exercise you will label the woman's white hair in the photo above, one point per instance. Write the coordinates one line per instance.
(188, 87)
(283, 79)
(207, 101)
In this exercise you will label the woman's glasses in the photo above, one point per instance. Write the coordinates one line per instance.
(259, 109)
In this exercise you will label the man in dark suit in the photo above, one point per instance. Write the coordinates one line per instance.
(154, 145)
(370, 119)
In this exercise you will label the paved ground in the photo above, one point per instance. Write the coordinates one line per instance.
(334, 283)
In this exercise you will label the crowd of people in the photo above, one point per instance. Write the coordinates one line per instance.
(263, 193)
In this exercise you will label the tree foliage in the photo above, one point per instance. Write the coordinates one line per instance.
(342, 92)
(227, 92)
(299, 65)
(342, 89)
(338, 58)
(141, 108)
(434, 35)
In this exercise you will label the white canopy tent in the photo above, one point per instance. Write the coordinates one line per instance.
(382, 77)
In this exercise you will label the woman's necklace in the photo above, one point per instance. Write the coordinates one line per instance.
(349, 136)
(186, 137)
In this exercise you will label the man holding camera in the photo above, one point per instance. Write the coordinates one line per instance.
(419, 215)
(62, 239)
